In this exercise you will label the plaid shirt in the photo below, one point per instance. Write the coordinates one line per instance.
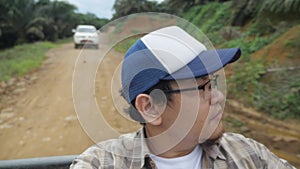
(131, 151)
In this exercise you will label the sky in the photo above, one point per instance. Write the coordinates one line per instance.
(101, 8)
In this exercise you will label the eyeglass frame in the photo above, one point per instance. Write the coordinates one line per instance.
(200, 87)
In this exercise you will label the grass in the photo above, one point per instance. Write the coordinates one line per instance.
(293, 43)
(125, 44)
(21, 59)
(234, 122)
(218, 14)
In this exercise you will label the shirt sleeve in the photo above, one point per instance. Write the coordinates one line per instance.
(271, 160)
(85, 162)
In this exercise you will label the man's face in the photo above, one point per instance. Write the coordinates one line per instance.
(194, 116)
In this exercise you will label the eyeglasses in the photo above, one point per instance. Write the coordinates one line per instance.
(206, 87)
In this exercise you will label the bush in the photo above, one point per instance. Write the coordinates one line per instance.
(210, 17)
(280, 94)
(246, 79)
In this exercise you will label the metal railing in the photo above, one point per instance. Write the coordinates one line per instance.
(54, 162)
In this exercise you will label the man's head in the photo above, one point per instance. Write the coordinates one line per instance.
(167, 77)
(169, 54)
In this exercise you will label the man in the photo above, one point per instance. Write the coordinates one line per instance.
(171, 82)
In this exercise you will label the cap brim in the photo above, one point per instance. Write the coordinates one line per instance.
(205, 63)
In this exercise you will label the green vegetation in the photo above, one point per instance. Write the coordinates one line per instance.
(253, 85)
(281, 6)
(279, 94)
(219, 14)
(40, 20)
(234, 122)
(124, 45)
(127, 7)
(21, 59)
(250, 25)
(293, 43)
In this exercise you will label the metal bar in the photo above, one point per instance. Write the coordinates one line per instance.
(57, 162)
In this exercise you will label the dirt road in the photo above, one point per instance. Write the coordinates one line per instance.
(41, 120)
(38, 118)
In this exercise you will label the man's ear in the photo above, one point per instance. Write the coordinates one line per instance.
(145, 106)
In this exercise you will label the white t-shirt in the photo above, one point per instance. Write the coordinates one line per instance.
(191, 160)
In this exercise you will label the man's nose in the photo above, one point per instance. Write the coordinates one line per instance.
(216, 96)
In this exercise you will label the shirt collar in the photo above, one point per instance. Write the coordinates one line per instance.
(213, 151)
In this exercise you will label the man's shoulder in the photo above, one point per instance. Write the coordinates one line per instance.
(239, 145)
(243, 151)
(240, 151)
(239, 139)
(233, 137)
(109, 153)
(236, 140)
(116, 146)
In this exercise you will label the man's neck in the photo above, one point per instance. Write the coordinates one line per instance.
(162, 149)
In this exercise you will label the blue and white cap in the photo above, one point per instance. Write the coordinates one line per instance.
(169, 53)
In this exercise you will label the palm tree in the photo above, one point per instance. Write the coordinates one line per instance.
(16, 15)
(180, 6)
(282, 6)
(32, 20)
(126, 7)
(60, 15)
(281, 9)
